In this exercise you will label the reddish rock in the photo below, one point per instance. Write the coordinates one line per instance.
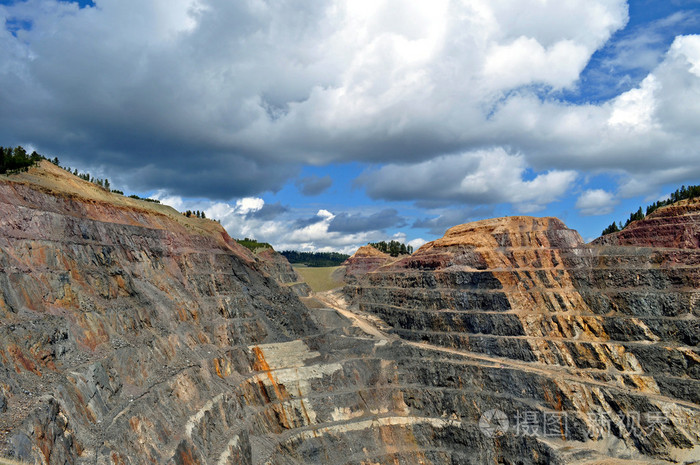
(366, 259)
(674, 226)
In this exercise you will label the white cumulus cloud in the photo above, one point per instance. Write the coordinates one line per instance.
(226, 100)
(283, 229)
(477, 178)
(596, 202)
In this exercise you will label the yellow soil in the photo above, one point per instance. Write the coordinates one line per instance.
(369, 251)
(480, 233)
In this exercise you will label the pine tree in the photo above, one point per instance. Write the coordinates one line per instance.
(20, 153)
(611, 229)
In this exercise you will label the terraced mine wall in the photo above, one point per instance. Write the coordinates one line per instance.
(600, 340)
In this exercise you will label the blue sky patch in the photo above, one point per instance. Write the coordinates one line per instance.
(14, 25)
(634, 51)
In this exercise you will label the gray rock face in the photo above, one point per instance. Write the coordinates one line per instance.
(114, 334)
(131, 334)
(277, 266)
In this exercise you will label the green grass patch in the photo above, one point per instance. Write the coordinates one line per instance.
(319, 278)
(252, 244)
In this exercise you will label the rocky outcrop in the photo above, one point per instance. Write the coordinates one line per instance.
(601, 340)
(364, 260)
(277, 266)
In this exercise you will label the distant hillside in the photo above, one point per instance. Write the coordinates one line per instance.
(315, 259)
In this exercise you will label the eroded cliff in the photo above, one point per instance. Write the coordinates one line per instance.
(277, 266)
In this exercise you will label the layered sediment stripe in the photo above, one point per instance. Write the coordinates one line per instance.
(538, 266)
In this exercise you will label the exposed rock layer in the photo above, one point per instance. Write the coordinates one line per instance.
(363, 261)
(277, 266)
(582, 333)
(675, 226)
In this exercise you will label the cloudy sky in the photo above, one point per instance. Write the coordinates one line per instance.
(322, 125)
